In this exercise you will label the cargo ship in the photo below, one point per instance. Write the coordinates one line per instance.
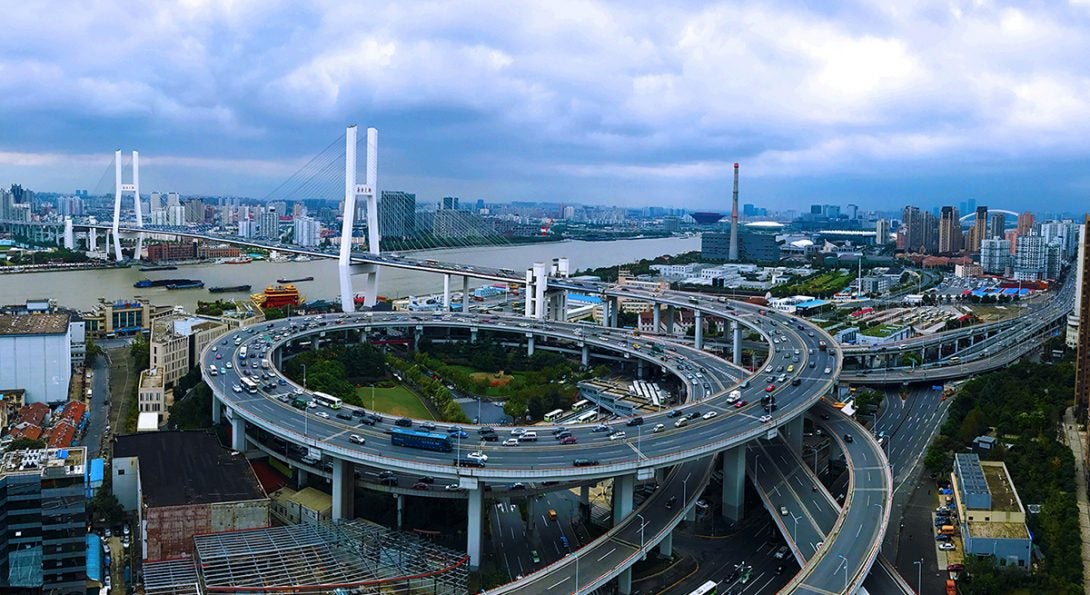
(158, 268)
(278, 296)
(186, 284)
(229, 289)
(164, 282)
(295, 280)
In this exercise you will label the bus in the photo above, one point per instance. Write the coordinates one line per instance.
(708, 588)
(248, 385)
(327, 400)
(955, 360)
(580, 405)
(554, 415)
(418, 439)
(242, 352)
(587, 417)
(213, 370)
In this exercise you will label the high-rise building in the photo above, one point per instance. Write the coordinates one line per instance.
(155, 201)
(43, 531)
(995, 256)
(997, 225)
(1025, 223)
(1082, 308)
(308, 232)
(980, 229)
(1054, 258)
(881, 232)
(194, 210)
(246, 228)
(949, 231)
(176, 215)
(450, 203)
(270, 223)
(1080, 278)
(1030, 259)
(397, 214)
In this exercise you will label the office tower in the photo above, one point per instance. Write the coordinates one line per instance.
(831, 211)
(569, 212)
(173, 199)
(1079, 278)
(852, 211)
(246, 228)
(43, 531)
(194, 210)
(996, 225)
(1054, 257)
(1030, 258)
(815, 209)
(995, 256)
(1082, 310)
(397, 214)
(949, 231)
(980, 229)
(450, 203)
(176, 215)
(155, 201)
(270, 224)
(911, 231)
(480, 205)
(308, 233)
(1025, 223)
(881, 232)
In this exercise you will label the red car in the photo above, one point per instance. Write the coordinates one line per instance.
(770, 388)
(568, 440)
(740, 404)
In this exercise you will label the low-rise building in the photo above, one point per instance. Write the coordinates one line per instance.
(153, 396)
(990, 513)
(177, 341)
(36, 355)
(308, 505)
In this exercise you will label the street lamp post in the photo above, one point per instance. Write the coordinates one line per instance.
(842, 557)
(919, 575)
(643, 523)
(372, 396)
(795, 533)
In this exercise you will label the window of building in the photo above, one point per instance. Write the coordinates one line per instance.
(120, 471)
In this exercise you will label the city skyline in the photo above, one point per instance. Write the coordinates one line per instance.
(595, 103)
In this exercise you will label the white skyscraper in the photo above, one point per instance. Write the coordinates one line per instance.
(308, 232)
(1030, 258)
(995, 256)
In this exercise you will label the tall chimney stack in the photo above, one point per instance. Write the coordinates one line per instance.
(734, 219)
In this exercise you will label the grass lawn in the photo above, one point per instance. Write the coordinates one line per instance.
(395, 401)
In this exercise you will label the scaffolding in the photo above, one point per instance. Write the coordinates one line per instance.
(344, 557)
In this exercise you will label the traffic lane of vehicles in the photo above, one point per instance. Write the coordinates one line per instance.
(799, 528)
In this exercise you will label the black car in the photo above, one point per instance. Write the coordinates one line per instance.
(467, 462)
(796, 381)
(490, 437)
(563, 435)
(359, 413)
(675, 413)
(584, 462)
(346, 416)
(848, 438)
(404, 422)
(367, 421)
(694, 415)
(635, 421)
(426, 479)
(485, 430)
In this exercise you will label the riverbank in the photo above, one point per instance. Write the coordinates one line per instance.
(61, 267)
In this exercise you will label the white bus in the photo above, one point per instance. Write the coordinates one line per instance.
(580, 405)
(554, 415)
(708, 588)
(327, 400)
(587, 417)
(248, 385)
(242, 352)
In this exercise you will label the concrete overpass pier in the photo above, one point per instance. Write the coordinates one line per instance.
(473, 529)
(670, 315)
(623, 488)
(585, 356)
(698, 330)
(656, 314)
(344, 492)
(217, 415)
(238, 433)
(446, 292)
(792, 434)
(736, 347)
(734, 483)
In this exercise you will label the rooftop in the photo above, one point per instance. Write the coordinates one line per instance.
(998, 530)
(178, 468)
(48, 462)
(1004, 497)
(34, 324)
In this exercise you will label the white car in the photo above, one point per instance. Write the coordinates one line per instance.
(236, 388)
(312, 404)
(478, 456)
(357, 439)
(766, 418)
(710, 414)
(518, 431)
(511, 442)
(322, 414)
(658, 428)
(617, 436)
(229, 365)
(828, 370)
(947, 546)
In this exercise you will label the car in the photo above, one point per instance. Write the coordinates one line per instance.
(344, 416)
(562, 435)
(518, 431)
(766, 418)
(584, 462)
(404, 422)
(486, 430)
(955, 567)
(710, 414)
(694, 415)
(453, 487)
(770, 388)
(658, 428)
(426, 479)
(428, 426)
(947, 546)
(535, 557)
(675, 413)
(783, 510)
(670, 502)
(518, 485)
(848, 438)
(681, 423)
(322, 414)
(236, 388)
(828, 370)
(941, 537)
(219, 356)
(420, 486)
(740, 404)
(478, 456)
(568, 440)
(781, 553)
(601, 428)
(511, 442)
(620, 435)
(490, 438)
(230, 366)
(357, 439)
(635, 421)
(458, 434)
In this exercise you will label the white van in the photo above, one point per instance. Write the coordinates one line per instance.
(528, 437)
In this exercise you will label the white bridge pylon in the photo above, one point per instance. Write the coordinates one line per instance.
(351, 191)
(119, 189)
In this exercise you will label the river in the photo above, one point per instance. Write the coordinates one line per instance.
(81, 290)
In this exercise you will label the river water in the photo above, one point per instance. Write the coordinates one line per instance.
(81, 290)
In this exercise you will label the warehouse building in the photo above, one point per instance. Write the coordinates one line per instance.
(36, 355)
(993, 521)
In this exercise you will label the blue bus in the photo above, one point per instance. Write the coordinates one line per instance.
(418, 439)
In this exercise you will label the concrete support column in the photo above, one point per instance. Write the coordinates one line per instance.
(640, 364)
(734, 483)
(418, 333)
(217, 414)
(656, 312)
(315, 343)
(792, 434)
(473, 335)
(301, 478)
(280, 353)
(473, 530)
(614, 312)
(736, 349)
(698, 329)
(585, 357)
(670, 310)
(344, 492)
(400, 510)
(690, 514)
(623, 487)
(446, 293)
(238, 433)
(624, 582)
(584, 495)
(666, 546)
(529, 344)
(465, 294)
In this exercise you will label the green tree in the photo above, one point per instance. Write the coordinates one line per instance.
(193, 412)
(104, 508)
(26, 444)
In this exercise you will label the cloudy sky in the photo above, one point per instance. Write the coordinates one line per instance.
(627, 102)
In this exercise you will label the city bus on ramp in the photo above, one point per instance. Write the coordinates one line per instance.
(579, 405)
(554, 415)
(708, 588)
(327, 400)
(587, 417)
(422, 440)
(248, 385)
